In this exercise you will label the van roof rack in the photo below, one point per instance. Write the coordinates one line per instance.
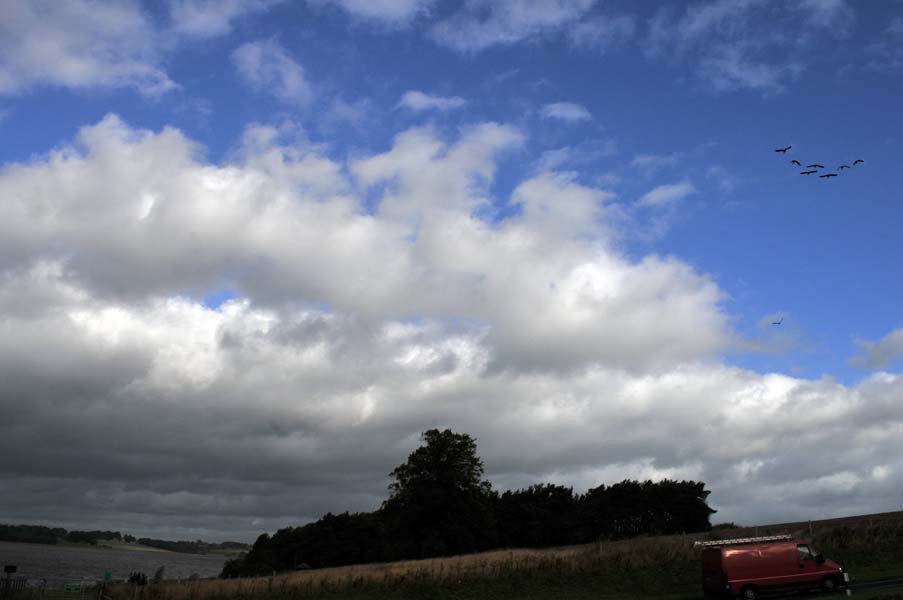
(749, 540)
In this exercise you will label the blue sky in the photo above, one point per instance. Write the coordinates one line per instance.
(631, 142)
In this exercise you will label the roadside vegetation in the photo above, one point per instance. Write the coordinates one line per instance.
(659, 567)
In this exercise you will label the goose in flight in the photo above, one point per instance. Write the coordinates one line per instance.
(815, 166)
(808, 172)
(778, 322)
(857, 161)
(796, 162)
(827, 175)
(783, 150)
(842, 167)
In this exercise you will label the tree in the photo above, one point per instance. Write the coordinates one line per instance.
(632, 508)
(538, 516)
(439, 503)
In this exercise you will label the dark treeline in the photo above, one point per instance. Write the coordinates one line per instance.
(440, 505)
(197, 547)
(31, 534)
(37, 534)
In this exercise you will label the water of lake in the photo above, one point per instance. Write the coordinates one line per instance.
(59, 565)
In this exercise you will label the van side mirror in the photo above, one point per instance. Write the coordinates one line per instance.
(819, 558)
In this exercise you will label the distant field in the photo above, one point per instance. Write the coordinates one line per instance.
(665, 568)
(115, 545)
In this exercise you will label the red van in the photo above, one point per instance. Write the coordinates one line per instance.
(752, 566)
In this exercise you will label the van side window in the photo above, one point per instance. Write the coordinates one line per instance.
(804, 552)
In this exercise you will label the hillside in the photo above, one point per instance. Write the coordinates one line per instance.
(651, 567)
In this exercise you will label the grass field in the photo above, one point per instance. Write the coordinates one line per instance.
(664, 568)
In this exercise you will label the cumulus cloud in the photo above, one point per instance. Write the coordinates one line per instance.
(877, 355)
(667, 194)
(373, 302)
(268, 68)
(209, 18)
(420, 101)
(79, 45)
(566, 111)
(481, 24)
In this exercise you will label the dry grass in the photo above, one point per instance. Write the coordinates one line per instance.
(624, 556)
(606, 565)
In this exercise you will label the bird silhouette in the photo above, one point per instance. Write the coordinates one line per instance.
(782, 150)
(857, 161)
(808, 172)
(778, 322)
(796, 162)
(842, 167)
(815, 166)
(827, 175)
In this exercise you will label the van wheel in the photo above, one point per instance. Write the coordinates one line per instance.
(749, 593)
(828, 585)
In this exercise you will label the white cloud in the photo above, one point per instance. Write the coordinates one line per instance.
(209, 18)
(481, 24)
(420, 101)
(726, 181)
(896, 26)
(877, 355)
(649, 164)
(835, 16)
(79, 45)
(725, 15)
(665, 195)
(566, 111)
(603, 32)
(577, 156)
(741, 44)
(385, 12)
(729, 69)
(357, 326)
(268, 68)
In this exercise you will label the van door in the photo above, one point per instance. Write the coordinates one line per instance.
(809, 570)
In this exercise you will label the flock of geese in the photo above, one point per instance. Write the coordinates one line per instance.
(814, 167)
(810, 170)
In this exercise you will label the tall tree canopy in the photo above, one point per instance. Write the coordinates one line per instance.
(439, 502)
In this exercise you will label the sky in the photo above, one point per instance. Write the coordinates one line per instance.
(251, 249)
